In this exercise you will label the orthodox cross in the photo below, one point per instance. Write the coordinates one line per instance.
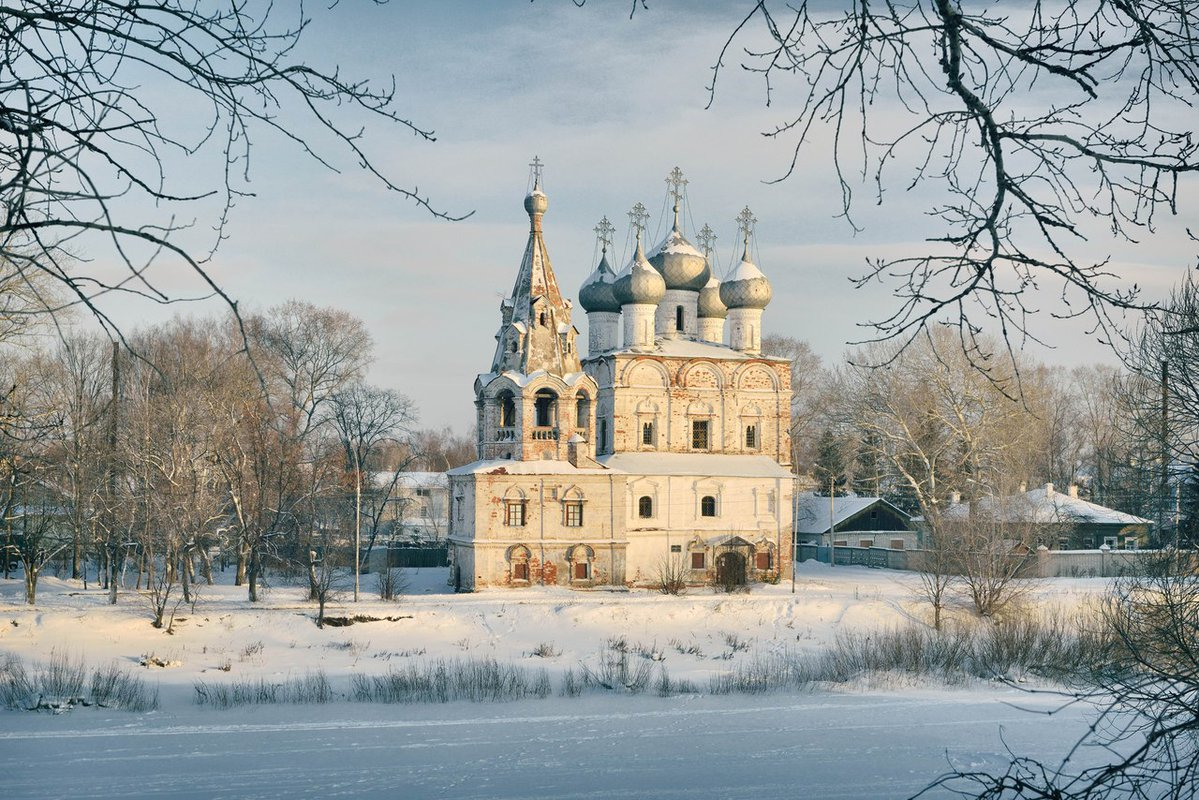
(536, 166)
(604, 232)
(676, 182)
(707, 239)
(745, 223)
(638, 217)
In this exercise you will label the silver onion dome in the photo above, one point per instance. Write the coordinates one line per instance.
(639, 283)
(710, 304)
(745, 286)
(681, 265)
(598, 291)
(536, 202)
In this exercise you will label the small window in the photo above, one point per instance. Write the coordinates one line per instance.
(770, 504)
(1130, 543)
(865, 543)
(459, 499)
(645, 506)
(840, 543)
(1110, 541)
(647, 433)
(541, 319)
(1063, 543)
(514, 513)
(520, 571)
(897, 544)
(707, 506)
(574, 515)
(676, 548)
(678, 318)
(697, 560)
(602, 444)
(699, 434)
(582, 570)
(762, 559)
(751, 437)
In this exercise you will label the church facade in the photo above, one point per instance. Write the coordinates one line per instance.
(663, 451)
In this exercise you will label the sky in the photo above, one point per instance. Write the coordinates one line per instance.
(610, 104)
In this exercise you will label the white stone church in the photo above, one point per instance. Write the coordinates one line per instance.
(665, 448)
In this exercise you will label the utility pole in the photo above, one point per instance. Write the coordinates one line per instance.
(832, 523)
(1163, 493)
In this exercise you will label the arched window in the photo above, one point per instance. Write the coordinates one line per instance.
(541, 319)
(678, 318)
(647, 433)
(507, 409)
(582, 411)
(580, 557)
(545, 405)
(707, 506)
(645, 506)
(518, 564)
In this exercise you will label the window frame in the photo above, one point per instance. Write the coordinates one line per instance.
(521, 507)
(645, 507)
(704, 425)
(708, 506)
(573, 511)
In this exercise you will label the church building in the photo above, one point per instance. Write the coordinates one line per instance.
(664, 450)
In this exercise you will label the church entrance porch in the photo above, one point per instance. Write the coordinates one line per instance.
(730, 570)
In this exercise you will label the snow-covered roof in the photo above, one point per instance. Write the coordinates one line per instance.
(703, 464)
(506, 466)
(1046, 505)
(413, 480)
(812, 510)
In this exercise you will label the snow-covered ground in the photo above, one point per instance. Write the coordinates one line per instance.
(882, 738)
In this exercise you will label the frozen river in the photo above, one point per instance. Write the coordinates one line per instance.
(860, 745)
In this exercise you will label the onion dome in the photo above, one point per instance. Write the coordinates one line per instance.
(536, 202)
(639, 283)
(710, 304)
(745, 286)
(681, 265)
(597, 292)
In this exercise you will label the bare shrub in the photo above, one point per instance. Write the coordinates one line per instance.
(672, 574)
(393, 583)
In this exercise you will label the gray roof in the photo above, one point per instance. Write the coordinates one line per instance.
(1046, 505)
(812, 510)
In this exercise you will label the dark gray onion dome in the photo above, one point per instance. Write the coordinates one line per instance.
(536, 202)
(745, 286)
(639, 282)
(598, 291)
(681, 265)
(710, 304)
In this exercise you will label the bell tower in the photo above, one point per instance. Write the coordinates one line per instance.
(528, 405)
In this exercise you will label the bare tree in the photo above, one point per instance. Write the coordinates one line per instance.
(366, 416)
(1026, 124)
(85, 153)
(1145, 689)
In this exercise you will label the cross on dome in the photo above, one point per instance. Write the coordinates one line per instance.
(745, 224)
(536, 165)
(638, 218)
(676, 182)
(707, 239)
(603, 232)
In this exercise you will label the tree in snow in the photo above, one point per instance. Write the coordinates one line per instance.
(95, 164)
(1035, 128)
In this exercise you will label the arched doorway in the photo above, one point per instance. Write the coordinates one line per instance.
(730, 569)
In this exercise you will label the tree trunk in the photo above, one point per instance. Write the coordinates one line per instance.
(242, 559)
(185, 573)
(111, 555)
(252, 572)
(314, 589)
(30, 584)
